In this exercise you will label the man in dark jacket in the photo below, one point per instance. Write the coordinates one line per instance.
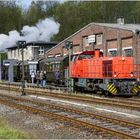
(37, 78)
(57, 76)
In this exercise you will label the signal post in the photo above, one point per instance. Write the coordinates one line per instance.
(22, 45)
(68, 46)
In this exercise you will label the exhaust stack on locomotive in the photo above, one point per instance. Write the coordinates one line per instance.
(97, 53)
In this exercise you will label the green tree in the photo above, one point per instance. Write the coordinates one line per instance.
(135, 12)
(72, 16)
(34, 13)
(10, 16)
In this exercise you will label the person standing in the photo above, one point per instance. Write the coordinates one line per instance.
(57, 76)
(44, 78)
(41, 78)
(37, 78)
(33, 76)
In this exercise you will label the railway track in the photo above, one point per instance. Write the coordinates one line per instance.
(104, 101)
(129, 104)
(120, 128)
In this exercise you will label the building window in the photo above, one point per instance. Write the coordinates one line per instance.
(18, 53)
(99, 39)
(11, 53)
(50, 56)
(128, 52)
(85, 41)
(41, 51)
(57, 55)
(65, 52)
(76, 49)
(57, 65)
(112, 52)
(14, 54)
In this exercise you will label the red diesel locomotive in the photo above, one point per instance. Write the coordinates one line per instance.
(109, 75)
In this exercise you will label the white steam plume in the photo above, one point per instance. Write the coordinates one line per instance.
(44, 30)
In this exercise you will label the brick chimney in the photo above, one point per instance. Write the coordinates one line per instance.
(120, 20)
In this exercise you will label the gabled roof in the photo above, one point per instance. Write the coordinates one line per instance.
(13, 47)
(41, 43)
(35, 43)
(53, 59)
(130, 27)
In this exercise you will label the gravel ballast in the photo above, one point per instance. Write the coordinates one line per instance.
(45, 128)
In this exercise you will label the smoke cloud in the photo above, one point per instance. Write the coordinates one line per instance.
(44, 30)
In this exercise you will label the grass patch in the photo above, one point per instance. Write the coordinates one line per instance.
(9, 133)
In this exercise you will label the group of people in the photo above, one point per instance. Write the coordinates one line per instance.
(41, 78)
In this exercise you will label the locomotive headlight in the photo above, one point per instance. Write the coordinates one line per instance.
(131, 74)
(115, 75)
(123, 58)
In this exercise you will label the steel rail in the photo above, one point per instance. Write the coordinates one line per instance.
(68, 119)
(88, 98)
(79, 98)
(64, 108)
(77, 111)
(83, 99)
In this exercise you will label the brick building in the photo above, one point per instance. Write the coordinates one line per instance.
(113, 39)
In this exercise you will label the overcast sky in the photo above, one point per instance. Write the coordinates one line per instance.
(26, 3)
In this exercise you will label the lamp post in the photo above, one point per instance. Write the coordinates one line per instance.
(69, 45)
(22, 45)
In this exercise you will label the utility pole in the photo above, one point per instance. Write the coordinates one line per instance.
(22, 46)
(69, 45)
